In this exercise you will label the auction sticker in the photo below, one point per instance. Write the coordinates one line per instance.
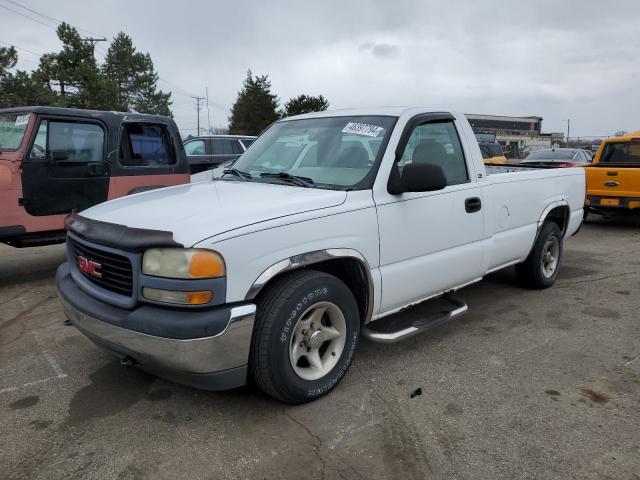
(22, 120)
(362, 129)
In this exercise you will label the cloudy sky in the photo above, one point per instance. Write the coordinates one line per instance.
(557, 59)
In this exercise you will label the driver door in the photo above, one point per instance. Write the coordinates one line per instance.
(65, 168)
(430, 242)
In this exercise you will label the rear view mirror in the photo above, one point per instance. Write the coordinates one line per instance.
(421, 177)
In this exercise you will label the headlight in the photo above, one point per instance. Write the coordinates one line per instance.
(182, 263)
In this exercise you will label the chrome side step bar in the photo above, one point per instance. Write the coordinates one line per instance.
(457, 307)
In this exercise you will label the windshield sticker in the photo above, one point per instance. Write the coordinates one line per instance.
(22, 120)
(362, 129)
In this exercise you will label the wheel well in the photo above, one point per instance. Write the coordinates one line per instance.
(560, 216)
(350, 270)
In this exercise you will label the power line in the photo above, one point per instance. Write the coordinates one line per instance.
(49, 18)
(27, 16)
(92, 40)
(186, 93)
(175, 87)
(21, 48)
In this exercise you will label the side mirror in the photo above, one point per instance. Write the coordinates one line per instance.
(419, 177)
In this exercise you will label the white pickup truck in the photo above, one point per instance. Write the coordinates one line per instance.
(328, 223)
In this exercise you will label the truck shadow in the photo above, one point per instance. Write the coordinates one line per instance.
(617, 221)
(19, 266)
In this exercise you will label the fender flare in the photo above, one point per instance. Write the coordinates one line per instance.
(561, 202)
(305, 259)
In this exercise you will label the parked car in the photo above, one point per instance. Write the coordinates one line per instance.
(274, 271)
(205, 153)
(492, 153)
(558, 157)
(57, 160)
(613, 179)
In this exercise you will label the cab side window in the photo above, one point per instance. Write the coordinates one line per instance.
(248, 141)
(145, 145)
(437, 143)
(194, 147)
(68, 142)
(226, 146)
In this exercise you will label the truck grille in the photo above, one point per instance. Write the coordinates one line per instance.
(114, 272)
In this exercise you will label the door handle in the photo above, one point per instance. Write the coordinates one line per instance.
(473, 204)
(96, 169)
(611, 184)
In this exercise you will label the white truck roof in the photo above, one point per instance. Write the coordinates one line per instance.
(371, 111)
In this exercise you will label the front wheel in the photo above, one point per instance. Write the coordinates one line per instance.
(305, 336)
(540, 269)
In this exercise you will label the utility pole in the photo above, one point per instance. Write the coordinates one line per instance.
(93, 40)
(568, 130)
(206, 89)
(198, 100)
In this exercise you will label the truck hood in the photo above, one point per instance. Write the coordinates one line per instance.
(196, 211)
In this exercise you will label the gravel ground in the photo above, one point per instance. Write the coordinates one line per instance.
(529, 384)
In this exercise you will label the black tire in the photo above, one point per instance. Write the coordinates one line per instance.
(532, 272)
(585, 215)
(278, 310)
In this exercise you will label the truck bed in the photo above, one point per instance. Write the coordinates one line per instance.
(510, 167)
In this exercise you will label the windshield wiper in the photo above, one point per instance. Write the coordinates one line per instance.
(237, 173)
(295, 179)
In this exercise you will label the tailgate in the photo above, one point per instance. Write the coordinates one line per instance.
(612, 181)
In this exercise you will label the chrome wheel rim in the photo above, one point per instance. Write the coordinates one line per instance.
(318, 341)
(550, 257)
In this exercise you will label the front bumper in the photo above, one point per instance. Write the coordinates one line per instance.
(213, 362)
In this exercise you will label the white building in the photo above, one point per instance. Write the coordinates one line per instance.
(518, 136)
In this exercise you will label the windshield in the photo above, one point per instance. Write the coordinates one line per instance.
(552, 155)
(621, 152)
(12, 128)
(336, 152)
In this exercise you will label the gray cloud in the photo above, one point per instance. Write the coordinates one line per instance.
(554, 59)
(380, 50)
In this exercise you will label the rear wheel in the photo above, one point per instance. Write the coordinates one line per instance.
(541, 268)
(306, 332)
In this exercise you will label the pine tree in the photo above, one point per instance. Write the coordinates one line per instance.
(255, 108)
(19, 88)
(132, 79)
(8, 60)
(305, 104)
(72, 78)
(72, 74)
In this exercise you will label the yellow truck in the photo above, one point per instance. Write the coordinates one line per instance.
(492, 153)
(613, 179)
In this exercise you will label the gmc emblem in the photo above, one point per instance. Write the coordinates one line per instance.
(90, 267)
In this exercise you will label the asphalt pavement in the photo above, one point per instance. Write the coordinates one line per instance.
(528, 384)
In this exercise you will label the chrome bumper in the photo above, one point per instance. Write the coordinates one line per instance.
(225, 351)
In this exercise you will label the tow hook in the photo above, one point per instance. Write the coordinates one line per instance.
(127, 361)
